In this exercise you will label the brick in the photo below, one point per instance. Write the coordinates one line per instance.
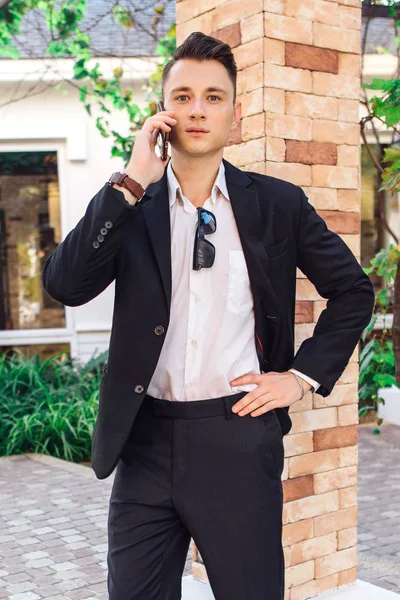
(299, 573)
(200, 23)
(304, 311)
(308, 550)
(347, 538)
(298, 487)
(335, 437)
(349, 156)
(304, 404)
(309, 105)
(233, 11)
(318, 308)
(293, 172)
(235, 136)
(229, 35)
(288, 127)
(322, 198)
(326, 12)
(275, 150)
(348, 414)
(312, 506)
(314, 587)
(340, 395)
(348, 110)
(335, 132)
(316, 462)
(298, 443)
(348, 576)
(341, 519)
(274, 52)
(311, 153)
(348, 200)
(186, 10)
(344, 40)
(252, 27)
(251, 103)
(274, 6)
(258, 167)
(314, 419)
(274, 100)
(333, 480)
(246, 152)
(289, 29)
(300, 9)
(338, 561)
(350, 374)
(252, 78)
(350, 17)
(254, 127)
(249, 54)
(287, 78)
(350, 64)
(341, 222)
(305, 290)
(348, 497)
(348, 456)
(303, 56)
(297, 532)
(340, 86)
(339, 177)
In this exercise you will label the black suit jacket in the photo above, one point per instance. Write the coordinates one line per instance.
(279, 231)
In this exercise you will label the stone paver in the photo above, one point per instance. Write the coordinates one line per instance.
(53, 523)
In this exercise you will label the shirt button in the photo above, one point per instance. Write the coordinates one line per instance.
(159, 330)
(138, 389)
(96, 244)
(196, 299)
(194, 342)
(108, 224)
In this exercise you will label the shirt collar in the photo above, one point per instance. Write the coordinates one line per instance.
(219, 184)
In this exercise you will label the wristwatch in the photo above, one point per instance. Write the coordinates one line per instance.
(130, 184)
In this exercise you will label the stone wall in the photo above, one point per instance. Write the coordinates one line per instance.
(299, 86)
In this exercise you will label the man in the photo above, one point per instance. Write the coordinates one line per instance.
(201, 371)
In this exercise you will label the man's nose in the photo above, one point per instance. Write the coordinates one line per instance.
(197, 109)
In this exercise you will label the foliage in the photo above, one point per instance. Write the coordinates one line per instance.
(68, 39)
(48, 407)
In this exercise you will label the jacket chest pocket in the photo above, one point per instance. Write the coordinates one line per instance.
(239, 296)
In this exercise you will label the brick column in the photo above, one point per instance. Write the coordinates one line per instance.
(298, 85)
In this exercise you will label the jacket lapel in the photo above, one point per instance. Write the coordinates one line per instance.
(247, 212)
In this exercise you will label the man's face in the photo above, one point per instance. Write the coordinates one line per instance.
(187, 92)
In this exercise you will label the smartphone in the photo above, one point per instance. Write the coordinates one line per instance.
(163, 136)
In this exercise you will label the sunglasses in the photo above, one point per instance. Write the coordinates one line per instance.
(204, 251)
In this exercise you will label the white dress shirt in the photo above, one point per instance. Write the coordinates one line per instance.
(210, 338)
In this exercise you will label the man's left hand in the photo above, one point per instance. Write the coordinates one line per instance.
(274, 390)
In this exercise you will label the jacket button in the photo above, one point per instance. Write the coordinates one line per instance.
(103, 231)
(100, 237)
(138, 389)
(108, 224)
(159, 330)
(96, 244)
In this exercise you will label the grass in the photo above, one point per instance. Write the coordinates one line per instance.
(48, 407)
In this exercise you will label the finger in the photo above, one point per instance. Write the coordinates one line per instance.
(251, 406)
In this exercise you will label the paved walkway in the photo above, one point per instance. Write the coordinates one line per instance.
(53, 517)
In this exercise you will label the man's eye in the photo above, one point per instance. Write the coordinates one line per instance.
(215, 97)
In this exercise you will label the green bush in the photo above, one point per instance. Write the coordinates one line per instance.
(48, 407)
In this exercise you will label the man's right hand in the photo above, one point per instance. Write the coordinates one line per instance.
(144, 165)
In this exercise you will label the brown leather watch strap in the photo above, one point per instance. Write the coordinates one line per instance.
(130, 184)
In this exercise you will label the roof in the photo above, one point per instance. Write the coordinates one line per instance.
(380, 32)
(107, 37)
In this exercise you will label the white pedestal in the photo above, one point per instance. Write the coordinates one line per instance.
(390, 411)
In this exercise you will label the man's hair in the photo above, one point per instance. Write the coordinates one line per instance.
(200, 46)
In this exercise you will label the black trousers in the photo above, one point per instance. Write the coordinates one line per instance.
(197, 470)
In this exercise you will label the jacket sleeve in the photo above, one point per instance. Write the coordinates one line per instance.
(327, 261)
(84, 263)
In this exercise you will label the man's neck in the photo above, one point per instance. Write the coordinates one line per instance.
(196, 175)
